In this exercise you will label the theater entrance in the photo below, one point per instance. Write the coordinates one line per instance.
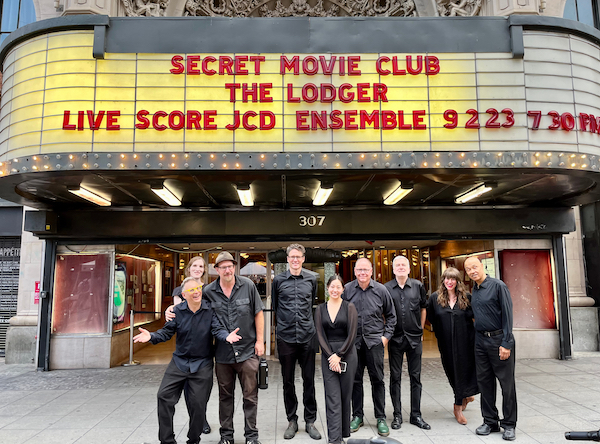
(96, 286)
(261, 262)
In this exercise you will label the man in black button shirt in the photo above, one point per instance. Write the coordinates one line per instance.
(410, 300)
(293, 293)
(195, 324)
(376, 322)
(237, 304)
(494, 349)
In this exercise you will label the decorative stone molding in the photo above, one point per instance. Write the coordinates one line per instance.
(509, 7)
(299, 8)
(271, 8)
(102, 7)
(145, 8)
(459, 8)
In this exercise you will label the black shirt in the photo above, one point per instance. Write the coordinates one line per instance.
(293, 298)
(336, 336)
(376, 314)
(195, 333)
(492, 307)
(235, 311)
(408, 301)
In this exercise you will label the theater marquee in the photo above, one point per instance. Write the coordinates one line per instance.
(58, 98)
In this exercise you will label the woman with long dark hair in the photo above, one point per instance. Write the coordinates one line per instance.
(449, 311)
(336, 322)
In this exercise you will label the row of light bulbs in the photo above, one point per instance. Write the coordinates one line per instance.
(337, 165)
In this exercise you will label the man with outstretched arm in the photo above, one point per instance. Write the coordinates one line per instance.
(195, 324)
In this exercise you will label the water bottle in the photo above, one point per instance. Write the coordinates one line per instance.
(263, 374)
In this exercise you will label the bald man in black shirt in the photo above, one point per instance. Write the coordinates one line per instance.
(494, 349)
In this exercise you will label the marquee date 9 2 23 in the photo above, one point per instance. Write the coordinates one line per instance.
(496, 119)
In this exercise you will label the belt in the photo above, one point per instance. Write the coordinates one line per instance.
(489, 334)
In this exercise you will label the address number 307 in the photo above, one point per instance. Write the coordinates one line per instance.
(311, 221)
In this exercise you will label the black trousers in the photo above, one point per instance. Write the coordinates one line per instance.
(489, 368)
(304, 354)
(338, 396)
(373, 360)
(247, 374)
(413, 355)
(199, 387)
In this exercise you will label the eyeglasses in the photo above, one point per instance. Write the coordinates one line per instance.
(192, 290)
(363, 270)
(226, 267)
(295, 258)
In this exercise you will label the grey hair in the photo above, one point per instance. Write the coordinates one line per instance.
(298, 247)
(189, 279)
(400, 257)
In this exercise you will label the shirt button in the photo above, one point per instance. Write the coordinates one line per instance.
(237, 353)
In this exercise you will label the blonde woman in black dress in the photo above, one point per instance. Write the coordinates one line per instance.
(336, 322)
(450, 313)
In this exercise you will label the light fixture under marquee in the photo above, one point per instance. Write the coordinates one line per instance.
(89, 195)
(397, 195)
(166, 194)
(322, 194)
(473, 193)
(245, 195)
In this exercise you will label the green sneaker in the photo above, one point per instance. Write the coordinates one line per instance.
(356, 423)
(382, 427)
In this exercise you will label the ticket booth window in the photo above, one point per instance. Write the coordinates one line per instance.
(81, 294)
(528, 275)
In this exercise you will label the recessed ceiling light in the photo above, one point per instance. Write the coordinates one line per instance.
(322, 194)
(89, 195)
(397, 195)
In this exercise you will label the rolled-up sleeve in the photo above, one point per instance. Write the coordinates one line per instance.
(508, 340)
(389, 312)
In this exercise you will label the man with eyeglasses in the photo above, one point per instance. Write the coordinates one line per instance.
(195, 324)
(237, 304)
(293, 293)
(376, 323)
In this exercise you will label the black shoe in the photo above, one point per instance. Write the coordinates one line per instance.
(291, 430)
(206, 430)
(250, 441)
(509, 434)
(397, 422)
(485, 429)
(420, 423)
(312, 431)
(225, 441)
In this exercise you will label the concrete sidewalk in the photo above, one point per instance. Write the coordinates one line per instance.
(119, 406)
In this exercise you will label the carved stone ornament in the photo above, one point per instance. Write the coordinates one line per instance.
(145, 8)
(458, 8)
(299, 8)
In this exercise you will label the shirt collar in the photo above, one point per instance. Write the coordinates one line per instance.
(406, 284)
(303, 275)
(236, 284)
(483, 284)
(357, 285)
(204, 305)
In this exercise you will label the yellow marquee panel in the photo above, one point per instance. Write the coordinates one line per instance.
(49, 77)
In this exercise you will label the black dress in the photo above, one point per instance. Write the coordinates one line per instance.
(455, 334)
(338, 337)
